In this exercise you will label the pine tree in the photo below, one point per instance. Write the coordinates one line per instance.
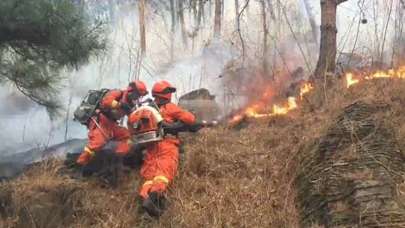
(40, 38)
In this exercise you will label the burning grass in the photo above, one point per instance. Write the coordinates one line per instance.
(229, 178)
(352, 78)
(260, 108)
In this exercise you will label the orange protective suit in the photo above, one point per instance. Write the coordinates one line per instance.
(104, 127)
(161, 160)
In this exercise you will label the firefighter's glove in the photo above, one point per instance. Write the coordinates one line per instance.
(85, 157)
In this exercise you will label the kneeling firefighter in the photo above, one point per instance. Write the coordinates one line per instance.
(160, 164)
(102, 115)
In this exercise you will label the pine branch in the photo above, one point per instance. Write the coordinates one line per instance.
(21, 32)
(40, 38)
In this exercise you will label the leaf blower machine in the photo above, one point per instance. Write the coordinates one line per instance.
(147, 125)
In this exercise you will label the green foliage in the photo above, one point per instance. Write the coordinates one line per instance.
(40, 38)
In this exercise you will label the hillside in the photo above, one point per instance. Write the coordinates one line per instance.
(230, 177)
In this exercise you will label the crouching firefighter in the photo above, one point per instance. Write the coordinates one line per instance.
(160, 163)
(100, 111)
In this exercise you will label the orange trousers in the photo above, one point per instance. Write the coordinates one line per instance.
(160, 166)
(105, 130)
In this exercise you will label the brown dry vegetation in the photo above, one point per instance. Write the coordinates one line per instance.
(229, 178)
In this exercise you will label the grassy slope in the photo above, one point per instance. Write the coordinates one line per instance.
(229, 178)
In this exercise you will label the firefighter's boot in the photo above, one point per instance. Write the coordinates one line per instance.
(154, 205)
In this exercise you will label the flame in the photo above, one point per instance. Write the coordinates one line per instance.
(305, 88)
(392, 73)
(281, 110)
(350, 81)
(258, 109)
(236, 119)
(255, 110)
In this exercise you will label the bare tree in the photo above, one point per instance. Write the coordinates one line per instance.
(172, 28)
(270, 9)
(385, 31)
(193, 8)
(377, 42)
(398, 47)
(265, 36)
(242, 42)
(327, 52)
(312, 22)
(236, 13)
(180, 13)
(142, 32)
(200, 12)
(217, 18)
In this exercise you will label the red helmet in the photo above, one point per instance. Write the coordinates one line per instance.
(163, 89)
(137, 86)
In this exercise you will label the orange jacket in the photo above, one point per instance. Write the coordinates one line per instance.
(110, 104)
(161, 160)
(171, 112)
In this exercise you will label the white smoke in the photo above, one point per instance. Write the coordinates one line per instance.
(25, 125)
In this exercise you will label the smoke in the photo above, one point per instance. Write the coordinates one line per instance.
(202, 63)
(201, 71)
(26, 125)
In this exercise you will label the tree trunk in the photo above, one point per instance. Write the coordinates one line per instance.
(200, 12)
(398, 54)
(265, 35)
(236, 13)
(312, 22)
(180, 13)
(217, 19)
(271, 9)
(142, 25)
(327, 53)
(193, 5)
(210, 9)
(172, 29)
(222, 11)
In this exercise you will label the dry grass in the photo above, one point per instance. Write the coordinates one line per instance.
(229, 178)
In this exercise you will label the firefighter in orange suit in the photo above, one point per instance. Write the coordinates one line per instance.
(161, 159)
(104, 125)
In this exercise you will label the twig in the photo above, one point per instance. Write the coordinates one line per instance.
(281, 56)
(403, 3)
(357, 35)
(67, 115)
(385, 32)
(307, 63)
(239, 32)
(346, 34)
